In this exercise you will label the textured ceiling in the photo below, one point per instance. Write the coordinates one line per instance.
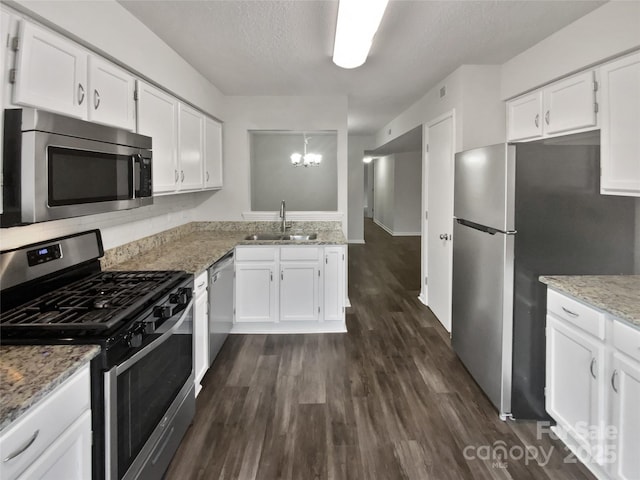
(284, 47)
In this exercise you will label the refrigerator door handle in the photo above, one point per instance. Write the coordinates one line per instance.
(484, 228)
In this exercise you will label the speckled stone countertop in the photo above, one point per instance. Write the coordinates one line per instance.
(197, 250)
(29, 372)
(618, 295)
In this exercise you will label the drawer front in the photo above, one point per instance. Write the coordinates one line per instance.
(299, 253)
(626, 339)
(42, 424)
(253, 254)
(585, 318)
(200, 284)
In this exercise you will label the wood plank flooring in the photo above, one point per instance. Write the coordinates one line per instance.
(387, 400)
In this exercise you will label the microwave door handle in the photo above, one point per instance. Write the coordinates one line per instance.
(136, 161)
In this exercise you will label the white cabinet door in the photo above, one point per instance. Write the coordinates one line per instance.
(69, 457)
(51, 72)
(625, 394)
(190, 148)
(111, 94)
(212, 154)
(299, 291)
(333, 282)
(574, 389)
(158, 118)
(570, 104)
(620, 126)
(256, 299)
(524, 117)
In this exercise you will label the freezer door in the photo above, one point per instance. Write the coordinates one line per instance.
(484, 186)
(481, 328)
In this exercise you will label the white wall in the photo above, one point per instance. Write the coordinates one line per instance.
(473, 92)
(383, 197)
(407, 194)
(604, 33)
(272, 113)
(357, 145)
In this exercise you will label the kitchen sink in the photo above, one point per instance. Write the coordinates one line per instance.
(300, 237)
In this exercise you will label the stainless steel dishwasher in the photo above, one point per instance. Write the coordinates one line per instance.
(221, 291)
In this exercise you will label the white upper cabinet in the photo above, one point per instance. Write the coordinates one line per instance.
(523, 115)
(567, 106)
(620, 126)
(190, 148)
(570, 104)
(111, 94)
(158, 119)
(212, 154)
(51, 72)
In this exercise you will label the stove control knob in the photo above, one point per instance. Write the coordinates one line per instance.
(162, 311)
(182, 297)
(134, 339)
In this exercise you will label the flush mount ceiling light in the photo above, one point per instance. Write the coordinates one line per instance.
(358, 21)
(307, 159)
(367, 159)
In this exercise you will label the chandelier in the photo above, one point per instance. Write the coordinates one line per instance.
(307, 159)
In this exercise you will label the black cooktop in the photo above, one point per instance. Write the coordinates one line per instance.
(95, 304)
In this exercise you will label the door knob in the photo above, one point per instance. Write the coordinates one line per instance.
(445, 236)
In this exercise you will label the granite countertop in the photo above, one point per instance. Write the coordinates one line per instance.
(29, 372)
(618, 295)
(197, 251)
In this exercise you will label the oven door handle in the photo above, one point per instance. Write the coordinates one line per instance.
(124, 366)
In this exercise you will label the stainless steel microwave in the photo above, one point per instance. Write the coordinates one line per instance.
(60, 167)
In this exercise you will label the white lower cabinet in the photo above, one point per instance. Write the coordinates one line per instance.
(52, 440)
(593, 386)
(300, 274)
(200, 329)
(287, 289)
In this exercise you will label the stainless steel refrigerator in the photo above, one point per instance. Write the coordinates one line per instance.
(521, 211)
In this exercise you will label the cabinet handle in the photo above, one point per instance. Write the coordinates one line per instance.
(96, 99)
(573, 314)
(207, 176)
(537, 120)
(613, 381)
(80, 94)
(182, 176)
(593, 361)
(200, 285)
(21, 450)
(546, 117)
(176, 176)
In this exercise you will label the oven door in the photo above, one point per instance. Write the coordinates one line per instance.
(144, 395)
(66, 177)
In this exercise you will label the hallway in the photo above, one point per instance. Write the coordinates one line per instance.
(387, 400)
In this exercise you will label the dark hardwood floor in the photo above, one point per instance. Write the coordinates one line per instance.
(387, 400)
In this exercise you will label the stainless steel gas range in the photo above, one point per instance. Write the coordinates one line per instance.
(143, 400)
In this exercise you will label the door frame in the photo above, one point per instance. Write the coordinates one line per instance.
(424, 289)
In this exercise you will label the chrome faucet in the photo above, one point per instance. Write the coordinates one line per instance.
(283, 216)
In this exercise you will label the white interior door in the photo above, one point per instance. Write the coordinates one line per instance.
(440, 221)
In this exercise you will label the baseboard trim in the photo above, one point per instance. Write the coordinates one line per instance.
(423, 299)
(406, 234)
(356, 242)
(289, 328)
(383, 226)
